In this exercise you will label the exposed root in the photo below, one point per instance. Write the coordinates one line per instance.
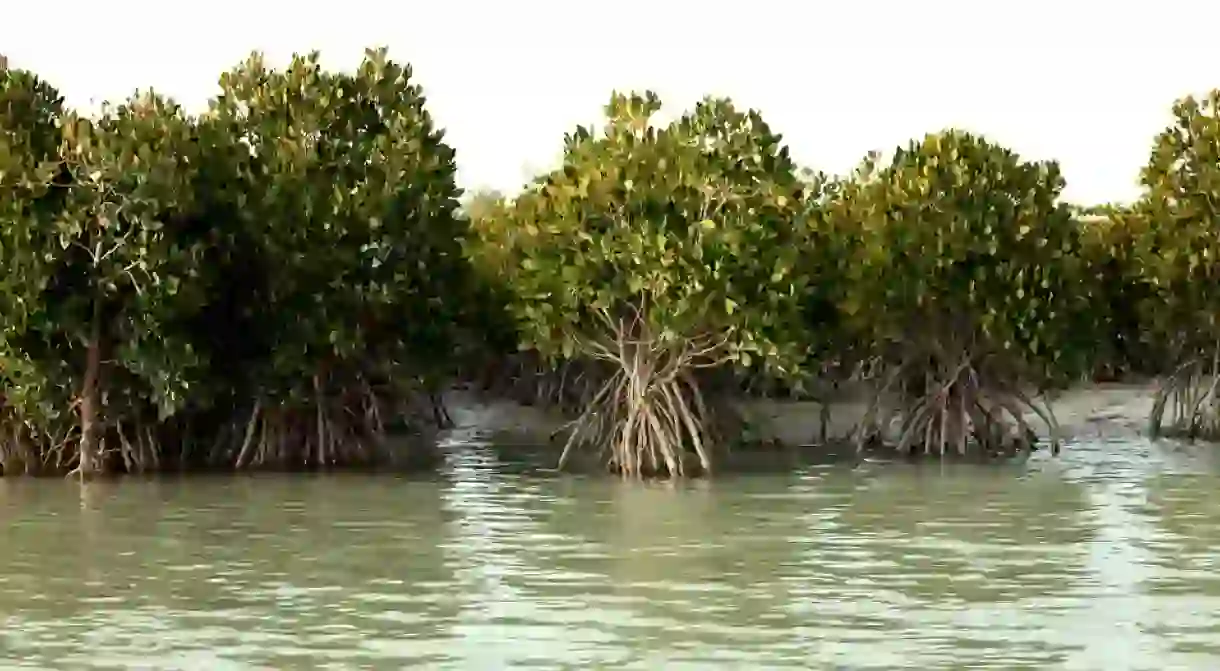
(440, 414)
(340, 425)
(139, 453)
(421, 403)
(953, 410)
(651, 412)
(19, 454)
(338, 422)
(1186, 403)
(30, 449)
(247, 443)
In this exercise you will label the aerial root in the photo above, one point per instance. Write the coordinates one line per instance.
(333, 429)
(140, 453)
(643, 426)
(952, 413)
(651, 412)
(1187, 402)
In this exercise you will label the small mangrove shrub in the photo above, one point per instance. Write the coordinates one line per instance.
(654, 253)
(964, 276)
(1177, 258)
(1124, 350)
(107, 265)
(271, 284)
(343, 244)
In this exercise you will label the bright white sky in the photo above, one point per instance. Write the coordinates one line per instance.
(1088, 83)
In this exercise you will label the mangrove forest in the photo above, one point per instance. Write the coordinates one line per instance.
(292, 279)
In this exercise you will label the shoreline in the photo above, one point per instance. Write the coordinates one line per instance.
(788, 430)
(1100, 410)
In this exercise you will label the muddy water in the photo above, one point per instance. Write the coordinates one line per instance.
(1103, 558)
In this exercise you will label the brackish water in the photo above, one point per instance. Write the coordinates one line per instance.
(1107, 557)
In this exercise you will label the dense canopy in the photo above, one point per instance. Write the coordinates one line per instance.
(286, 278)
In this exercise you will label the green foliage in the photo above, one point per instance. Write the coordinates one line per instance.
(295, 250)
(659, 251)
(332, 202)
(127, 255)
(1178, 251)
(490, 251)
(694, 226)
(102, 264)
(962, 241)
(965, 281)
(348, 193)
(1110, 237)
(30, 113)
(1176, 257)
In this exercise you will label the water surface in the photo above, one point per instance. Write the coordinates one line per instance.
(1104, 558)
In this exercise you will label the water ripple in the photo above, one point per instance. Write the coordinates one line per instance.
(1103, 558)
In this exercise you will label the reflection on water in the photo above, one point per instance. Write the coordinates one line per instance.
(1105, 558)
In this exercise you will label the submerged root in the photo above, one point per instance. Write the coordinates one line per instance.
(955, 411)
(1186, 403)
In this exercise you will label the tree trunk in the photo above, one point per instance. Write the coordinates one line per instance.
(90, 400)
